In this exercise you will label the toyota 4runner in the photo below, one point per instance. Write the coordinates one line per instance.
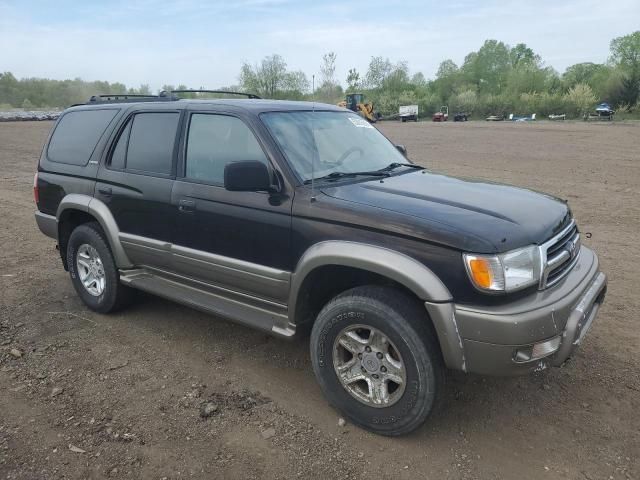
(293, 216)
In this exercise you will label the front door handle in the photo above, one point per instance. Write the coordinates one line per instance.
(187, 206)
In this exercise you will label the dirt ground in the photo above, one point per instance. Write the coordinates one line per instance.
(96, 396)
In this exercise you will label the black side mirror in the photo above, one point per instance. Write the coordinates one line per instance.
(247, 176)
(402, 149)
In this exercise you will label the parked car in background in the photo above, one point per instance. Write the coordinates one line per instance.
(442, 115)
(408, 112)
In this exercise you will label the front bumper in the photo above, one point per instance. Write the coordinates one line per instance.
(492, 339)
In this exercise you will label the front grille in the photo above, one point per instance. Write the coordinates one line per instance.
(559, 255)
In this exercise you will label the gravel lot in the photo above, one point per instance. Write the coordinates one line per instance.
(95, 396)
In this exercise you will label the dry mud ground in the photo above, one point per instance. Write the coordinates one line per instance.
(118, 396)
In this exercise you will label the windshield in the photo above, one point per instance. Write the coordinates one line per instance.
(332, 141)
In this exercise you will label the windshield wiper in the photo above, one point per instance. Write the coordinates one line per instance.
(336, 175)
(394, 165)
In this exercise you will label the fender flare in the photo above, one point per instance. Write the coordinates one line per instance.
(380, 260)
(396, 266)
(102, 214)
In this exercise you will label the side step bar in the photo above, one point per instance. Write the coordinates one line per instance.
(241, 308)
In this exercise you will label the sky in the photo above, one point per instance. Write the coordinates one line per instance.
(204, 43)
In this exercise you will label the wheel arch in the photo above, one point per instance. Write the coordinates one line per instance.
(380, 262)
(76, 209)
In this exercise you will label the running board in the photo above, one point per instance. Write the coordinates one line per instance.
(241, 308)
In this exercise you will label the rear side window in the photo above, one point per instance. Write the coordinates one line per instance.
(120, 152)
(151, 141)
(216, 140)
(77, 135)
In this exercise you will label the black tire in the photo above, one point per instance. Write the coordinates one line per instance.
(114, 295)
(402, 320)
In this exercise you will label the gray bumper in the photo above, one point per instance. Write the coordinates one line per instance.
(47, 224)
(489, 340)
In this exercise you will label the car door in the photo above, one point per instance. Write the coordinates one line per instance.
(238, 241)
(135, 182)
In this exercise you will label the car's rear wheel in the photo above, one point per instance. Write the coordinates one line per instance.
(377, 360)
(93, 270)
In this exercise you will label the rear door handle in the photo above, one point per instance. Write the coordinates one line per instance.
(105, 191)
(187, 206)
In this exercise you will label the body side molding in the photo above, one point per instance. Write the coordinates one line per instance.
(100, 211)
(383, 261)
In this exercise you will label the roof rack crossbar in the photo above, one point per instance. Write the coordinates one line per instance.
(248, 95)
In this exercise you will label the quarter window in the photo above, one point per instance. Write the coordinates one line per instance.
(119, 154)
(216, 140)
(77, 135)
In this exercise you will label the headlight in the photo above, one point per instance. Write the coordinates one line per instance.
(506, 272)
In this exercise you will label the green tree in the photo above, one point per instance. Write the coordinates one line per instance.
(353, 80)
(521, 54)
(447, 79)
(10, 89)
(397, 80)
(581, 73)
(295, 84)
(527, 77)
(446, 69)
(379, 69)
(625, 55)
(580, 99)
(488, 67)
(625, 52)
(419, 80)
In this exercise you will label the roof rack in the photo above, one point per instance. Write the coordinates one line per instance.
(126, 97)
(163, 96)
(248, 95)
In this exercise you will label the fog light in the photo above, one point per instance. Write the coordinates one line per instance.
(545, 348)
(538, 350)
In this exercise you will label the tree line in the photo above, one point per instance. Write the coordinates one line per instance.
(495, 79)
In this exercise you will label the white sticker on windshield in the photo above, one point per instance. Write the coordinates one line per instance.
(360, 122)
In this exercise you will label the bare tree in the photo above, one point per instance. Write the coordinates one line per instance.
(327, 90)
(271, 79)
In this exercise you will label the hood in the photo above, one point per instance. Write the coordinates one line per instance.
(471, 215)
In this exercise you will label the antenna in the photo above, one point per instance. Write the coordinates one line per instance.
(313, 138)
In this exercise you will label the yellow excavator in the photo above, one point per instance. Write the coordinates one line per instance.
(355, 103)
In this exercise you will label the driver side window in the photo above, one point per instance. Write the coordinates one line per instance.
(214, 141)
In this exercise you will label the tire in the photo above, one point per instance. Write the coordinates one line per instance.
(107, 294)
(411, 340)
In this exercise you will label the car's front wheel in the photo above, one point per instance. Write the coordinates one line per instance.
(93, 270)
(377, 359)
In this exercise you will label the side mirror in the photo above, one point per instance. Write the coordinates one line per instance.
(247, 176)
(402, 149)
